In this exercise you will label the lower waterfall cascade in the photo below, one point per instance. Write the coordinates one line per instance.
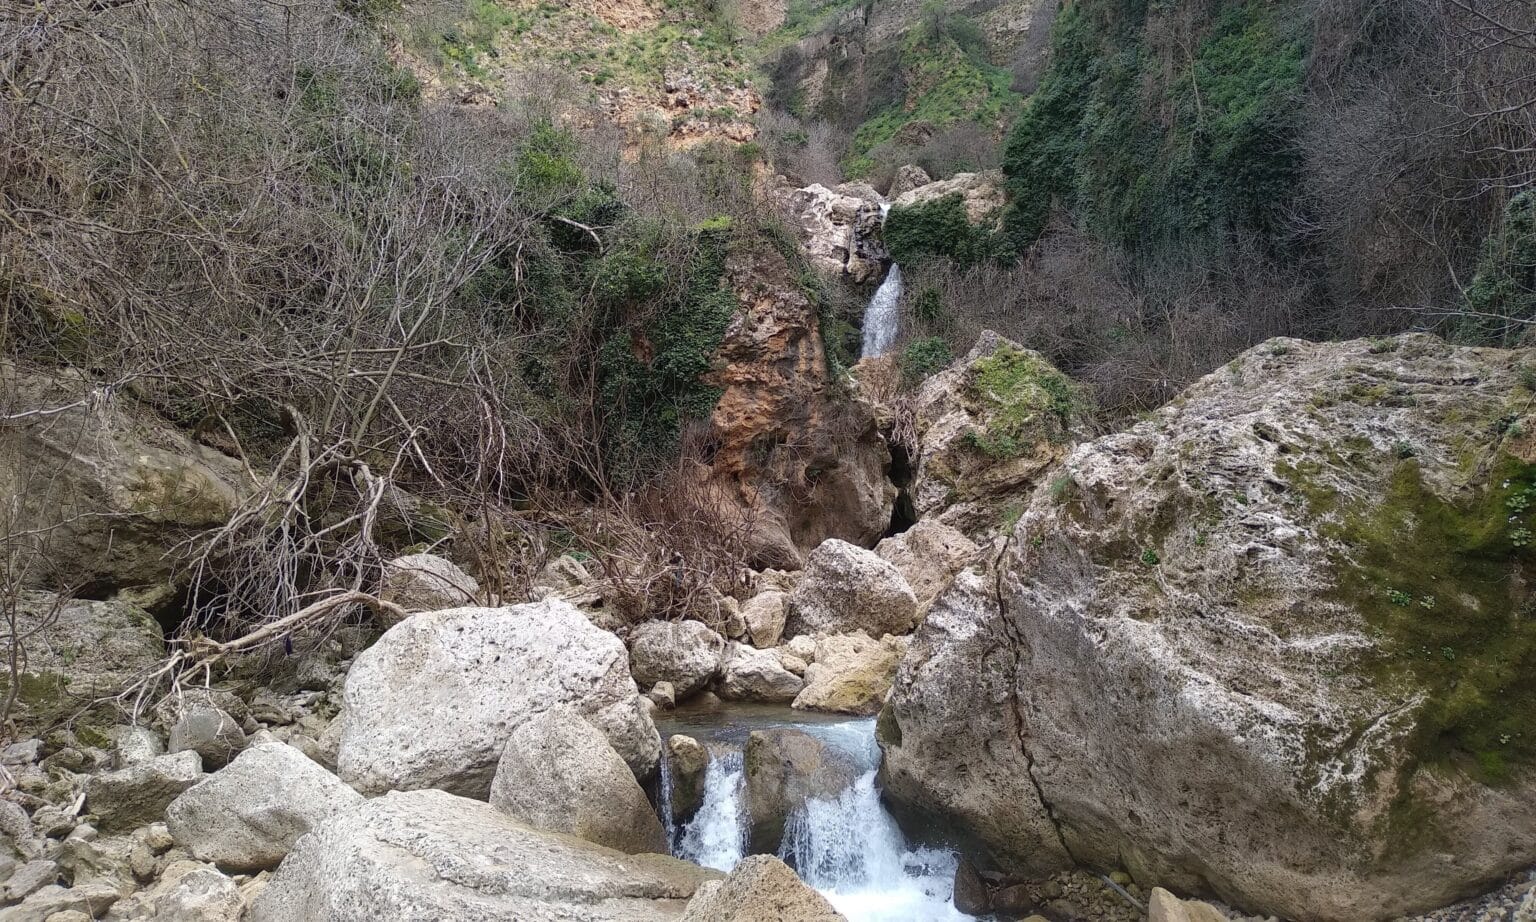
(847, 846)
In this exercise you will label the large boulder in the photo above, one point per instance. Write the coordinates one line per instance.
(139, 793)
(839, 229)
(558, 773)
(427, 582)
(1265, 645)
(432, 855)
(684, 653)
(851, 675)
(981, 194)
(247, 816)
(107, 488)
(845, 589)
(749, 674)
(793, 460)
(928, 555)
(990, 429)
(784, 768)
(760, 889)
(77, 652)
(433, 702)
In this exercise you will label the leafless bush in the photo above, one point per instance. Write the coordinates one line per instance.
(1419, 129)
(805, 153)
(1135, 334)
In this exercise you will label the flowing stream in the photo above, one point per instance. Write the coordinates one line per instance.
(881, 320)
(847, 846)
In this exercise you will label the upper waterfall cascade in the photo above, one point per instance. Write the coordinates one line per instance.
(881, 320)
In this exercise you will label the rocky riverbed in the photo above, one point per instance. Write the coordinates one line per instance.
(1181, 671)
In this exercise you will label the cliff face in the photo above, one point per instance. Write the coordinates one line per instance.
(794, 452)
(1273, 643)
(908, 74)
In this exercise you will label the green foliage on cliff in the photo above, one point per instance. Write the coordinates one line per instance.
(1503, 293)
(939, 228)
(1162, 143)
(946, 78)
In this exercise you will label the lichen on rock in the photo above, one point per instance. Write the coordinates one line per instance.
(1272, 644)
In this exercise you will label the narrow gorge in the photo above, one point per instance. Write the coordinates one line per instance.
(798, 461)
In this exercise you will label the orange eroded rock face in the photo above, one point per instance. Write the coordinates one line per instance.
(794, 450)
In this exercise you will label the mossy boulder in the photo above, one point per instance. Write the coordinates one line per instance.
(989, 430)
(1276, 644)
(105, 488)
(77, 652)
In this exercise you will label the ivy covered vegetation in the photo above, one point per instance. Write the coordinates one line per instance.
(1188, 179)
(1211, 149)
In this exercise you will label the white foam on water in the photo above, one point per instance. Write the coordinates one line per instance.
(849, 848)
(716, 837)
(881, 318)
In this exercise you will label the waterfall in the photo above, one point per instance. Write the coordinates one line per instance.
(849, 848)
(716, 837)
(846, 846)
(880, 318)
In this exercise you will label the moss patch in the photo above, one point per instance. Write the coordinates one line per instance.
(1446, 587)
(1024, 400)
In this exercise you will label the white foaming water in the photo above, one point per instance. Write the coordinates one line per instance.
(716, 837)
(849, 848)
(881, 318)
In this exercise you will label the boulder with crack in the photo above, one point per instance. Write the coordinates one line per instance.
(1266, 645)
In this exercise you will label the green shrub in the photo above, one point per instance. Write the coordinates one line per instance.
(924, 357)
(939, 228)
(1152, 163)
(1503, 292)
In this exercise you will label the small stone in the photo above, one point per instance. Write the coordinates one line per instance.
(803, 646)
(1121, 878)
(54, 822)
(135, 745)
(22, 753)
(664, 695)
(209, 732)
(141, 861)
(1016, 899)
(793, 664)
(28, 879)
(970, 891)
(84, 832)
(158, 837)
(67, 759)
